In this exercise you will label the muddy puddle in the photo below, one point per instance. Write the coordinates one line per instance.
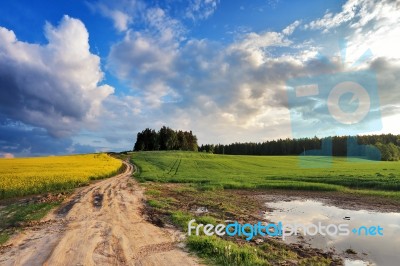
(360, 246)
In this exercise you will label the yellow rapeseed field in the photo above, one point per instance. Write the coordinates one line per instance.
(24, 176)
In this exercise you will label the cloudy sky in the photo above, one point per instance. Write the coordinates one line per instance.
(84, 76)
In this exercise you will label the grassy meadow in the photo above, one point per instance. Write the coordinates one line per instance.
(211, 171)
(184, 181)
(25, 176)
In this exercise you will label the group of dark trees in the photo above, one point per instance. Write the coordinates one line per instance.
(165, 139)
(377, 147)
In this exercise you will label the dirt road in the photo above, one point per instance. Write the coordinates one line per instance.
(99, 225)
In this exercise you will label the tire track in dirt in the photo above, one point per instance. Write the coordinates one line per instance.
(100, 225)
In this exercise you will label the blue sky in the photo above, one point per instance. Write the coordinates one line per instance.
(84, 76)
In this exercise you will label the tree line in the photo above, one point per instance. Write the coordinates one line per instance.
(165, 139)
(376, 147)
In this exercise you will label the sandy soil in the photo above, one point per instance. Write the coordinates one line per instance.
(101, 224)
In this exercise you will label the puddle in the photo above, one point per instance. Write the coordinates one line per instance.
(370, 250)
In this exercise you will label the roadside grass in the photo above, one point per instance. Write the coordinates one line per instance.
(4, 236)
(181, 219)
(14, 216)
(157, 204)
(222, 252)
(153, 192)
(215, 172)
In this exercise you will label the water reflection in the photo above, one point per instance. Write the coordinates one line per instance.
(380, 250)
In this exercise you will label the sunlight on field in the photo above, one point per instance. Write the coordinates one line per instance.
(283, 172)
(25, 176)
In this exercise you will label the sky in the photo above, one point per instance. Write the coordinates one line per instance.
(85, 76)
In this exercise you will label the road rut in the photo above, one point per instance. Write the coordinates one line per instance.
(100, 224)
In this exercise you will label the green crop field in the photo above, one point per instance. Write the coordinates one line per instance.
(282, 172)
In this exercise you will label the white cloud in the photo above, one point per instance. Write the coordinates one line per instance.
(377, 28)
(121, 20)
(255, 41)
(253, 45)
(364, 25)
(330, 20)
(53, 86)
(291, 28)
(163, 27)
(221, 87)
(201, 9)
(121, 12)
(145, 59)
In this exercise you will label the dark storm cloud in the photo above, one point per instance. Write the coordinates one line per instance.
(22, 140)
(25, 141)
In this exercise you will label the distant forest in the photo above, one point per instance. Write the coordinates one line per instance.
(384, 147)
(165, 139)
(376, 147)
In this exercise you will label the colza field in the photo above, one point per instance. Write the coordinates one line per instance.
(278, 172)
(24, 176)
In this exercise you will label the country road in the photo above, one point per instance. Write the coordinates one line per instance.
(100, 224)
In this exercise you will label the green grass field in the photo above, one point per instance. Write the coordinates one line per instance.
(281, 172)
